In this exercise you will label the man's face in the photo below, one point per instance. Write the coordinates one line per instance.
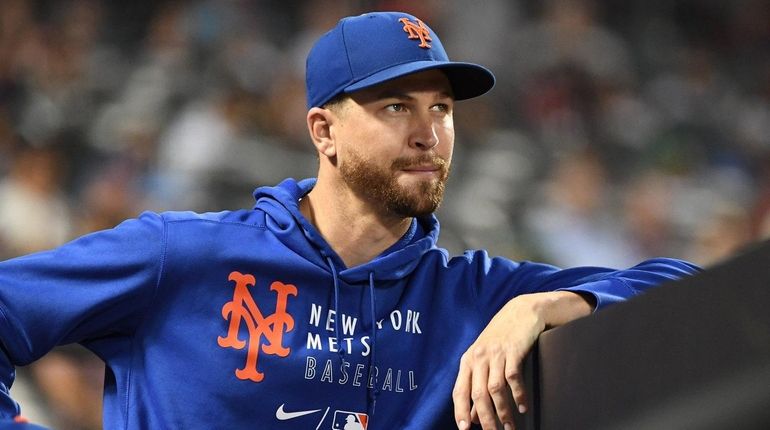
(395, 143)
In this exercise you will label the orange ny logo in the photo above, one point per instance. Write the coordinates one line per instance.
(417, 31)
(243, 309)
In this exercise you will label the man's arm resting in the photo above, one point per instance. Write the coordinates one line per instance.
(490, 370)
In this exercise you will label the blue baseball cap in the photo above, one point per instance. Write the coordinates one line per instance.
(365, 50)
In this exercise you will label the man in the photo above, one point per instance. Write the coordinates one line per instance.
(328, 304)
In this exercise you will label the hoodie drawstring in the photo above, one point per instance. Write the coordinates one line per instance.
(373, 363)
(336, 309)
(372, 395)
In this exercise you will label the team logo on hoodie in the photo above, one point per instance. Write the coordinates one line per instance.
(265, 332)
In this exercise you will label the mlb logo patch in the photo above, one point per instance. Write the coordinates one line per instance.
(346, 420)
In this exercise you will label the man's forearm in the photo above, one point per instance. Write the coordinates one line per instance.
(490, 369)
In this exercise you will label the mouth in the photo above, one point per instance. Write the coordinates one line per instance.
(427, 172)
(422, 169)
(427, 167)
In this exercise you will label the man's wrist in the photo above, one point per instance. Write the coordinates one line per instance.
(560, 307)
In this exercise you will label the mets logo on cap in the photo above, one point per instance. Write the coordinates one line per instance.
(417, 31)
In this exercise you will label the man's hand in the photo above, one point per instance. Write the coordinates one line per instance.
(490, 370)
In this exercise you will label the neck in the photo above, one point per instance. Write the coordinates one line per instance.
(355, 231)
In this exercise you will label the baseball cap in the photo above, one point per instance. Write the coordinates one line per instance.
(365, 50)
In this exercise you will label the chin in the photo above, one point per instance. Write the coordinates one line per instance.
(418, 200)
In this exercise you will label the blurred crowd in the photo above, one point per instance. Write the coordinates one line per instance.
(617, 131)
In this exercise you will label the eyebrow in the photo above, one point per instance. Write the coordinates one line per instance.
(395, 94)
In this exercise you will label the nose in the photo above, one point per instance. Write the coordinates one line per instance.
(424, 135)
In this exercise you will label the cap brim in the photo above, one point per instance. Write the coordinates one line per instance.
(468, 80)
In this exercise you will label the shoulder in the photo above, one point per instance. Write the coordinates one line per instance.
(187, 227)
(242, 217)
(474, 259)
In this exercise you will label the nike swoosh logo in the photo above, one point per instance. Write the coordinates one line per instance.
(283, 415)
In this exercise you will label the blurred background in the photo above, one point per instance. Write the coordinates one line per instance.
(618, 130)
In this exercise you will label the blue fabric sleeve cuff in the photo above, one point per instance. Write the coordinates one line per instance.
(606, 291)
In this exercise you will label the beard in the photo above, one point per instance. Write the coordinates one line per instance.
(379, 184)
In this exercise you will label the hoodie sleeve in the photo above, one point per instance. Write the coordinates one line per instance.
(96, 286)
(619, 285)
(502, 279)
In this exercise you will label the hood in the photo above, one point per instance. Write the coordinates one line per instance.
(283, 217)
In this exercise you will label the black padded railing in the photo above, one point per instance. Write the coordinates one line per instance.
(692, 354)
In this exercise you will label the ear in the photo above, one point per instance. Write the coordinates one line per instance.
(319, 124)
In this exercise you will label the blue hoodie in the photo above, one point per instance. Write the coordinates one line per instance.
(248, 319)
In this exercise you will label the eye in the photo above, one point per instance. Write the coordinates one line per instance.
(396, 107)
(441, 107)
